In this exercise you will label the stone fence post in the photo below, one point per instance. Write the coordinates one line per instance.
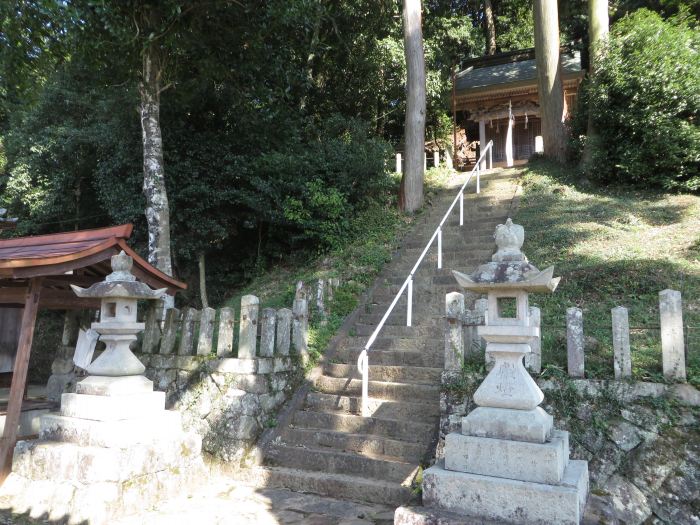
(454, 340)
(206, 331)
(300, 328)
(267, 333)
(672, 347)
(152, 331)
(248, 330)
(224, 342)
(187, 333)
(533, 360)
(284, 330)
(172, 322)
(622, 359)
(575, 342)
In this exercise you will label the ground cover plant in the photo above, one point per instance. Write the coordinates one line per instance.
(613, 246)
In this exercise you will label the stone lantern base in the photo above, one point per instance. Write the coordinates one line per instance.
(113, 450)
(508, 481)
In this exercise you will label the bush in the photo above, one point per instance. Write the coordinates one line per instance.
(645, 100)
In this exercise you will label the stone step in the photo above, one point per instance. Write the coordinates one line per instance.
(415, 392)
(398, 410)
(338, 462)
(396, 374)
(410, 431)
(392, 357)
(357, 443)
(354, 488)
(398, 317)
(384, 342)
(423, 332)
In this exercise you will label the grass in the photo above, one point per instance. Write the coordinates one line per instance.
(613, 246)
(374, 235)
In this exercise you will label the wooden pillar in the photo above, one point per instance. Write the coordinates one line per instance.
(482, 141)
(509, 143)
(19, 376)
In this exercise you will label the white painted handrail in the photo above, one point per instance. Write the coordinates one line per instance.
(363, 359)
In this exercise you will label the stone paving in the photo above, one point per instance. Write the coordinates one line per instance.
(229, 502)
(223, 501)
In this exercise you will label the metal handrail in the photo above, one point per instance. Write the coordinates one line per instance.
(363, 358)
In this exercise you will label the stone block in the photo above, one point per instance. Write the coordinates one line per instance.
(521, 460)
(256, 384)
(109, 408)
(282, 364)
(172, 320)
(508, 501)
(534, 426)
(114, 386)
(265, 365)
(120, 433)
(454, 334)
(233, 365)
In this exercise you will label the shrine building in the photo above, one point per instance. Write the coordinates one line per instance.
(494, 92)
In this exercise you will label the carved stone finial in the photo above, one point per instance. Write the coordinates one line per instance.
(509, 239)
(121, 268)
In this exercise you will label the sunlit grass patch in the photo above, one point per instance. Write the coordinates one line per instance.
(613, 246)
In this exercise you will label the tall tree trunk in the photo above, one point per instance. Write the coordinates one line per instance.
(598, 28)
(549, 81)
(411, 191)
(203, 281)
(490, 28)
(157, 209)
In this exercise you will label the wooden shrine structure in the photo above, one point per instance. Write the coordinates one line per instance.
(496, 98)
(36, 272)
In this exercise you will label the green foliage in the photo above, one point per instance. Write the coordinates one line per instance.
(645, 103)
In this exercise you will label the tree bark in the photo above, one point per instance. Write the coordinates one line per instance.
(598, 28)
(203, 281)
(157, 209)
(549, 81)
(411, 190)
(490, 28)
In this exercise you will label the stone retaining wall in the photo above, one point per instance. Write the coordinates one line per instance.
(641, 439)
(226, 401)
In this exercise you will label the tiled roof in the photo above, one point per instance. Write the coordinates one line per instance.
(511, 73)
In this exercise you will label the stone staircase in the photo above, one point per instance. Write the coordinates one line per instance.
(322, 445)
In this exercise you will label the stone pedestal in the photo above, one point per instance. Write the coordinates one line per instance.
(112, 450)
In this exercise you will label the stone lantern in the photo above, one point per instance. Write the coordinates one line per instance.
(112, 449)
(508, 464)
(119, 294)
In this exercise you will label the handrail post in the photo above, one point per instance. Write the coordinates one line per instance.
(409, 307)
(365, 386)
(491, 155)
(478, 179)
(440, 248)
(461, 208)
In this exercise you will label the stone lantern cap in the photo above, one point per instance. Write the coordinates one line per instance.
(120, 283)
(509, 268)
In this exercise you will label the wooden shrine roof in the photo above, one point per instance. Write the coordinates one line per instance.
(514, 73)
(79, 257)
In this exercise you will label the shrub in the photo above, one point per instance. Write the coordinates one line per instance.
(645, 103)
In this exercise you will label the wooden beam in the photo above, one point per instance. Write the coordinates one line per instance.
(51, 299)
(19, 377)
